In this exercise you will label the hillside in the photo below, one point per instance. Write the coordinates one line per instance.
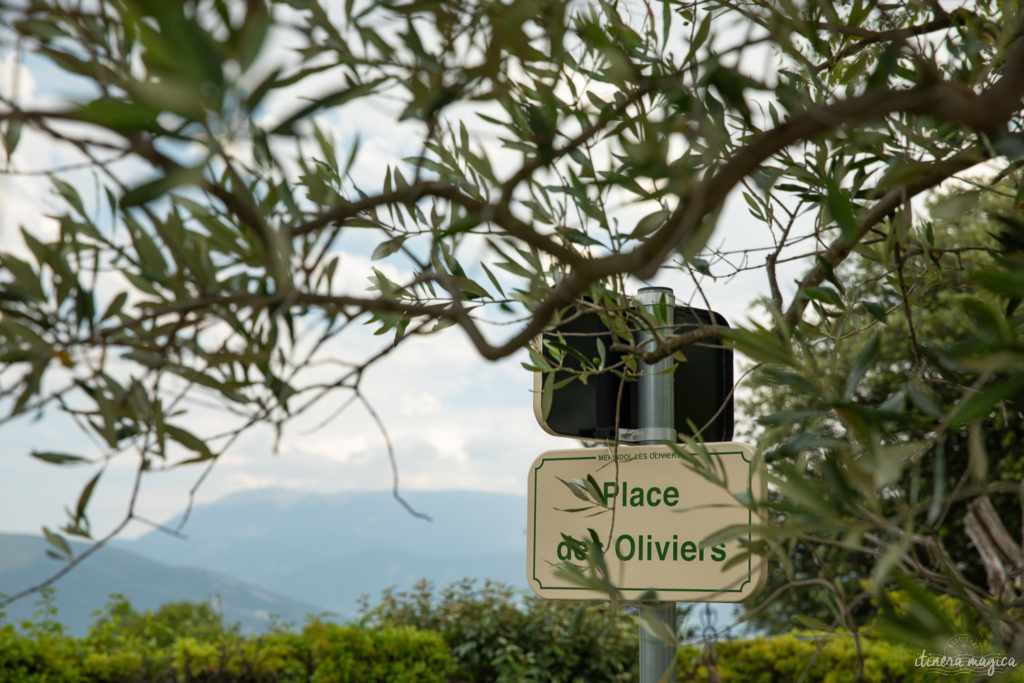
(329, 550)
(144, 581)
(292, 554)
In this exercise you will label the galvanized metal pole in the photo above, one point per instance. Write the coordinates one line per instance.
(656, 424)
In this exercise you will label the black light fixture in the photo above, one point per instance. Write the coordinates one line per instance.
(702, 384)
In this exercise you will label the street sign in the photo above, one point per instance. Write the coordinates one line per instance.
(702, 385)
(663, 511)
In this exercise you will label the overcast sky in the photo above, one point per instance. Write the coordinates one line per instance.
(455, 421)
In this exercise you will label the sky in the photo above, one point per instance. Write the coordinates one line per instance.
(455, 421)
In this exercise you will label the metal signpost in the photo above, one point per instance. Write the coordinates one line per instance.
(655, 420)
(661, 501)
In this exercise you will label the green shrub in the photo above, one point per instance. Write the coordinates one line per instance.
(187, 643)
(497, 633)
(391, 654)
(461, 635)
(279, 656)
(160, 628)
(38, 650)
(784, 658)
(195, 660)
(122, 665)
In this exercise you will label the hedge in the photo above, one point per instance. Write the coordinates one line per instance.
(461, 634)
(808, 657)
(320, 653)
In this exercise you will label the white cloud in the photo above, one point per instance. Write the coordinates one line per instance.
(454, 421)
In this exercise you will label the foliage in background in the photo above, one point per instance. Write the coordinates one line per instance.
(160, 627)
(497, 634)
(808, 657)
(915, 312)
(460, 634)
(905, 462)
(188, 642)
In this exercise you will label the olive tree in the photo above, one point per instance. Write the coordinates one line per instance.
(565, 151)
(927, 320)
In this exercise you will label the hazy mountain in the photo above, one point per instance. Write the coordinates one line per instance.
(145, 582)
(291, 554)
(329, 550)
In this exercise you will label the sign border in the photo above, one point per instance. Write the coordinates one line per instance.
(539, 463)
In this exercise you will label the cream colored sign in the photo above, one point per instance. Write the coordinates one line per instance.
(652, 515)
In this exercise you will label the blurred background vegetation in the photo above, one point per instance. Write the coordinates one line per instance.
(460, 633)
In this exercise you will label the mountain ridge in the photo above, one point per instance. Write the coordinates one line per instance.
(287, 552)
(330, 549)
(147, 584)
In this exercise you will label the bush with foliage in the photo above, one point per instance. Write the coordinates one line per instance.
(161, 627)
(498, 634)
(37, 649)
(36, 654)
(459, 634)
(793, 657)
(400, 654)
(811, 658)
(189, 642)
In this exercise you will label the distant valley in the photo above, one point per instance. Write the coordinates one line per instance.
(287, 553)
(328, 550)
(146, 583)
